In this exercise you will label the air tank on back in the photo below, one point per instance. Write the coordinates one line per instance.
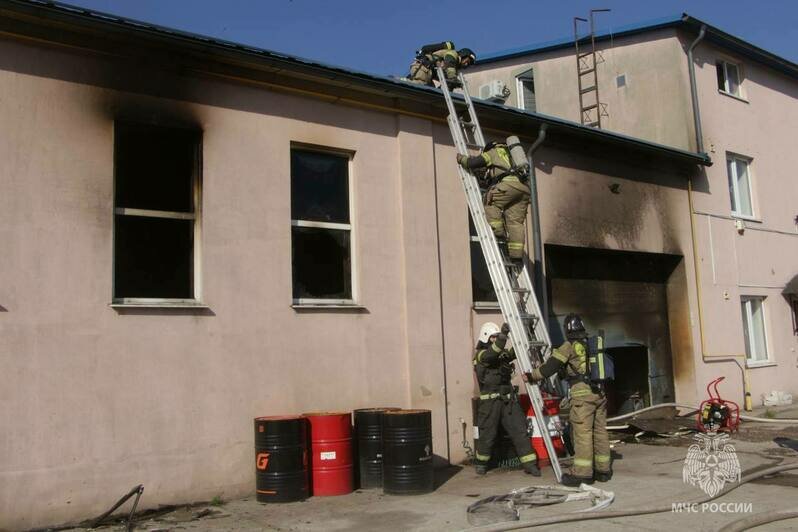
(517, 154)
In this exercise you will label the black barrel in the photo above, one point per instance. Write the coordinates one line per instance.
(281, 458)
(407, 452)
(368, 438)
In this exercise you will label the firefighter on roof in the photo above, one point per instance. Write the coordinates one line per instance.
(429, 56)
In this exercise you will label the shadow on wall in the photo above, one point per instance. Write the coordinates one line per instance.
(162, 80)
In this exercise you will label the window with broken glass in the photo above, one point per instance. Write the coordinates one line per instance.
(482, 293)
(156, 214)
(321, 228)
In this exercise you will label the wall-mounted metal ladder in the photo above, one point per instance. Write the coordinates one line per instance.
(512, 283)
(590, 107)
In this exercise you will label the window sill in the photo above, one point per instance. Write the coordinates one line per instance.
(745, 217)
(330, 307)
(485, 306)
(159, 304)
(760, 364)
(730, 95)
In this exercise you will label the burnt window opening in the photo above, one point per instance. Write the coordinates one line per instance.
(794, 305)
(482, 292)
(321, 230)
(156, 193)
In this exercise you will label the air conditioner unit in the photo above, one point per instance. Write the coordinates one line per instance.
(494, 90)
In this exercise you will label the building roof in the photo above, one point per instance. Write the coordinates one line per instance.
(683, 21)
(78, 28)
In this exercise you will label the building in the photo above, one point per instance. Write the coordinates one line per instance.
(170, 272)
(746, 215)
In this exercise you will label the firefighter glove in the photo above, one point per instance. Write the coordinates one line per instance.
(462, 160)
(505, 328)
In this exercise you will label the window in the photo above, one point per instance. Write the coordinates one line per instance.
(526, 91)
(156, 214)
(740, 185)
(729, 78)
(321, 232)
(482, 292)
(794, 305)
(754, 329)
(620, 81)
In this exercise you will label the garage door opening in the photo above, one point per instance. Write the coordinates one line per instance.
(625, 294)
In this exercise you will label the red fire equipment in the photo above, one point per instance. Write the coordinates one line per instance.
(716, 414)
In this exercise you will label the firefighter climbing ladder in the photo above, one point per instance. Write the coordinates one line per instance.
(512, 284)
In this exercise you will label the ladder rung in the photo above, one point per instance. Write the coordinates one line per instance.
(527, 317)
(585, 91)
(590, 124)
(521, 290)
(588, 71)
(585, 54)
(589, 107)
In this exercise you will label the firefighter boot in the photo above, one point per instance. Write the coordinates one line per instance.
(531, 468)
(480, 468)
(603, 476)
(573, 481)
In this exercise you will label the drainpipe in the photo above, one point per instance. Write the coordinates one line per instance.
(699, 137)
(705, 357)
(536, 238)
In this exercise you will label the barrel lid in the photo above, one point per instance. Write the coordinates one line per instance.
(325, 414)
(378, 409)
(405, 412)
(278, 418)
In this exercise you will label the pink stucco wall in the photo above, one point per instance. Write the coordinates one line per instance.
(94, 400)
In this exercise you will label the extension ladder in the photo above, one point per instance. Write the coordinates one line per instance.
(512, 284)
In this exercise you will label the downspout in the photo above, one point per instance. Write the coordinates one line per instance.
(537, 241)
(699, 136)
(699, 141)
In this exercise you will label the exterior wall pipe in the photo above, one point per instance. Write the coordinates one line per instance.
(704, 355)
(699, 135)
(536, 238)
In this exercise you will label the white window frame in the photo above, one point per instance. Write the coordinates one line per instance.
(196, 217)
(748, 323)
(731, 171)
(519, 89)
(324, 302)
(725, 90)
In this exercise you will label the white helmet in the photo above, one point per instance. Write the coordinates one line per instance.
(488, 330)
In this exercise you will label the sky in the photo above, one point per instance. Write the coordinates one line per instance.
(379, 36)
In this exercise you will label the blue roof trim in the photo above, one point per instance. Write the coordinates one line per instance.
(566, 42)
(714, 35)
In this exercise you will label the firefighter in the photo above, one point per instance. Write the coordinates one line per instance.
(427, 58)
(588, 405)
(507, 198)
(498, 401)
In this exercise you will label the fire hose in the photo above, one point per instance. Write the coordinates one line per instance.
(693, 410)
(759, 519)
(569, 518)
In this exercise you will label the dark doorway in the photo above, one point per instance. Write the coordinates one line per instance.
(630, 391)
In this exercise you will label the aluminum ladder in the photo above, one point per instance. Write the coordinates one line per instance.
(513, 286)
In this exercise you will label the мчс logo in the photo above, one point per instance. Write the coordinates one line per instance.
(710, 467)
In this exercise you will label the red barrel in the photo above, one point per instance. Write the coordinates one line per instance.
(551, 405)
(331, 451)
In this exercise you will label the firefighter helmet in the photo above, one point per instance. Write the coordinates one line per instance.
(488, 330)
(573, 326)
(467, 53)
